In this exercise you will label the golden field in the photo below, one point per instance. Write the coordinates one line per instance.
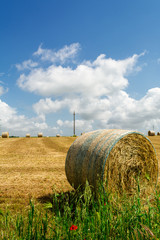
(33, 167)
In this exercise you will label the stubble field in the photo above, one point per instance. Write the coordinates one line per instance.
(31, 168)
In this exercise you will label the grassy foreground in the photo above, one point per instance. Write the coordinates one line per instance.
(76, 215)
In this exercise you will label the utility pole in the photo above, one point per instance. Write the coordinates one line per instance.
(74, 124)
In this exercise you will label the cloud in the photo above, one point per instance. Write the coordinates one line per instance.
(45, 106)
(17, 124)
(60, 56)
(3, 90)
(115, 111)
(81, 126)
(98, 78)
(96, 90)
(28, 64)
(128, 113)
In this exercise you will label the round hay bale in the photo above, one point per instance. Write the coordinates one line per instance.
(151, 133)
(58, 135)
(40, 134)
(28, 135)
(117, 157)
(5, 135)
(158, 133)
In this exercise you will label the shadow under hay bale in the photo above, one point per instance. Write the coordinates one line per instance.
(151, 133)
(58, 202)
(40, 134)
(28, 135)
(5, 135)
(118, 157)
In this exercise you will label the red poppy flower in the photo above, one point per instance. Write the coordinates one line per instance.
(105, 203)
(73, 227)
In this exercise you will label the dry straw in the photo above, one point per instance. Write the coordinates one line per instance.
(28, 135)
(82, 133)
(119, 158)
(40, 134)
(151, 133)
(5, 135)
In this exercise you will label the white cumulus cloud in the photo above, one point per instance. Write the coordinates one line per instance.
(17, 124)
(45, 106)
(65, 53)
(81, 126)
(28, 64)
(98, 78)
(96, 90)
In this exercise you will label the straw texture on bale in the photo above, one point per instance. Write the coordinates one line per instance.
(28, 135)
(58, 135)
(40, 134)
(151, 133)
(5, 135)
(116, 158)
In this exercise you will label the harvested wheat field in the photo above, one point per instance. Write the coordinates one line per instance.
(33, 167)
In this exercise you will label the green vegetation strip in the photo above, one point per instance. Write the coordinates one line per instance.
(77, 215)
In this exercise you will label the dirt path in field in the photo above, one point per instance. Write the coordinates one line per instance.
(33, 167)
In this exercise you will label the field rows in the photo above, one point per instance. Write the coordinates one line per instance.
(33, 167)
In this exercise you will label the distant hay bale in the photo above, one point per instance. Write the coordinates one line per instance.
(40, 134)
(5, 135)
(28, 135)
(158, 133)
(151, 133)
(58, 135)
(117, 157)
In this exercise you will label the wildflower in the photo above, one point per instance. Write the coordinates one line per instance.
(105, 203)
(73, 227)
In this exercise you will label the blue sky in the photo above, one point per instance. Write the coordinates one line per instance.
(99, 58)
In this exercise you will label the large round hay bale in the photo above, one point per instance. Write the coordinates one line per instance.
(117, 157)
(40, 134)
(158, 133)
(58, 135)
(151, 133)
(28, 135)
(5, 135)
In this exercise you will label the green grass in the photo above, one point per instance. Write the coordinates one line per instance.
(94, 217)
